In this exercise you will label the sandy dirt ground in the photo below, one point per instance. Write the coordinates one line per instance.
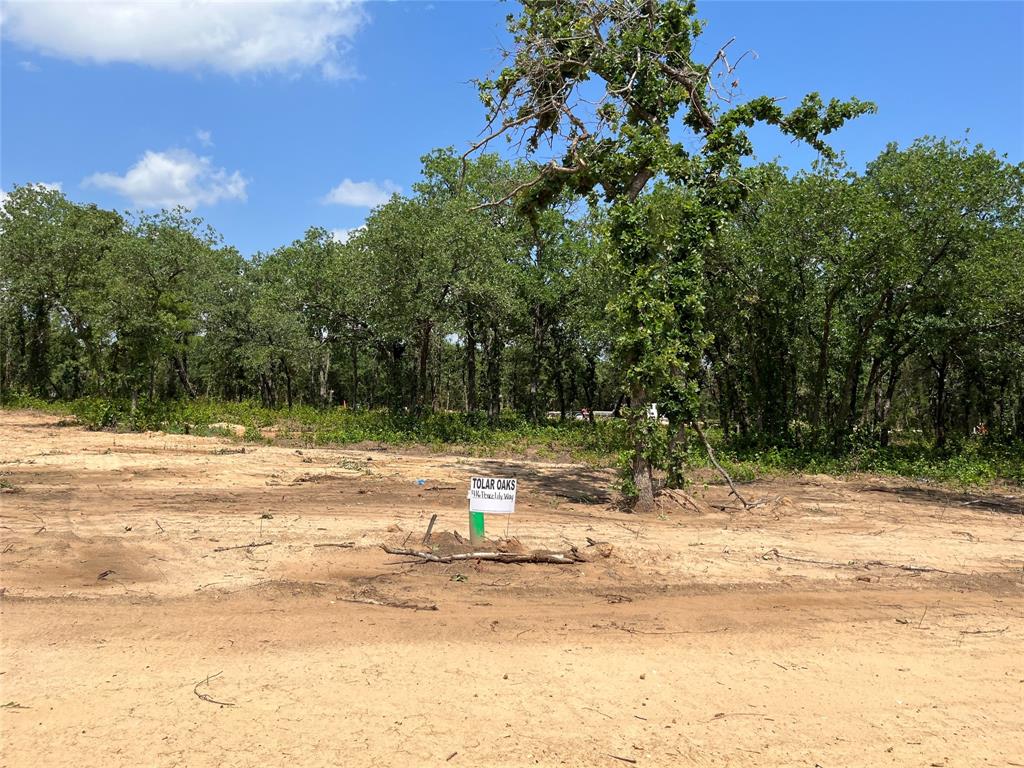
(702, 639)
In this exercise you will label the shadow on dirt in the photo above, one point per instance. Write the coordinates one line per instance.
(578, 485)
(1007, 505)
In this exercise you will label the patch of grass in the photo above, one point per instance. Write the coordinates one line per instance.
(971, 464)
(594, 444)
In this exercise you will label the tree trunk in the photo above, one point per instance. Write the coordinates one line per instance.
(848, 398)
(494, 348)
(535, 361)
(355, 374)
(323, 373)
(397, 350)
(422, 382)
(287, 381)
(590, 390)
(884, 413)
(643, 475)
(264, 391)
(471, 342)
(822, 372)
(39, 349)
(941, 369)
(558, 373)
(181, 366)
(677, 445)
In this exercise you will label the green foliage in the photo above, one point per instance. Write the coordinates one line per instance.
(657, 103)
(970, 465)
(847, 306)
(510, 433)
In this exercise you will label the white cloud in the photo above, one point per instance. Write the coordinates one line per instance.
(174, 177)
(205, 137)
(362, 194)
(344, 234)
(230, 37)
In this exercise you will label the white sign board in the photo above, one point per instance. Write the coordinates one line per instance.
(495, 495)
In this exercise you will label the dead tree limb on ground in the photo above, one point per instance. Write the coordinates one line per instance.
(343, 545)
(686, 501)
(719, 467)
(206, 696)
(557, 558)
(983, 631)
(774, 554)
(243, 546)
(389, 603)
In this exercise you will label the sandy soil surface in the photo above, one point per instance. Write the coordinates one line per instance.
(702, 639)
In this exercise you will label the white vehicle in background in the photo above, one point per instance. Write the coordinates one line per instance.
(584, 415)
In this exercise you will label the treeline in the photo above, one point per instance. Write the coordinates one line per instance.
(839, 306)
(848, 305)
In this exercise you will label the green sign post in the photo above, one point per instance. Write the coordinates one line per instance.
(476, 528)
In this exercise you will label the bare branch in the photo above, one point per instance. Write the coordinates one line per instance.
(546, 170)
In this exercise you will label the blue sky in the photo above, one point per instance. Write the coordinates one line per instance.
(271, 117)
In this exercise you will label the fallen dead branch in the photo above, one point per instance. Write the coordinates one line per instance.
(388, 603)
(570, 557)
(342, 544)
(983, 631)
(635, 631)
(684, 500)
(635, 531)
(206, 696)
(623, 759)
(774, 554)
(251, 545)
(719, 467)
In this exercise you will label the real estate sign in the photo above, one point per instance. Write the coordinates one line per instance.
(493, 495)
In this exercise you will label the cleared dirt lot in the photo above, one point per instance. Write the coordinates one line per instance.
(698, 641)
